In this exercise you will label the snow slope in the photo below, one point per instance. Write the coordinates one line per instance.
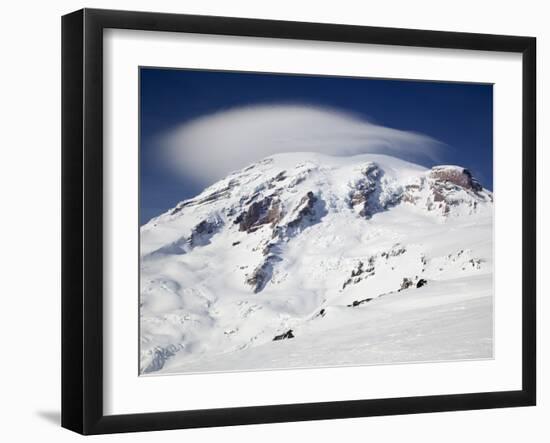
(305, 260)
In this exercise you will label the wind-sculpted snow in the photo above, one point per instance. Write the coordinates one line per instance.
(319, 245)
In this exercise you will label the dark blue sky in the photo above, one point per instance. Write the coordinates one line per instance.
(459, 115)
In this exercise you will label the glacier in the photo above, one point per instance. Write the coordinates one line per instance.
(308, 260)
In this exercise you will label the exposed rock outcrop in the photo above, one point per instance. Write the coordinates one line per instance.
(263, 273)
(200, 236)
(269, 211)
(406, 283)
(260, 213)
(444, 189)
(305, 210)
(395, 251)
(372, 193)
(359, 302)
(363, 193)
(421, 282)
(286, 335)
(361, 272)
(455, 175)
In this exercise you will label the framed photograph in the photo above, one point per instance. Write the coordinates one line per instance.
(269, 221)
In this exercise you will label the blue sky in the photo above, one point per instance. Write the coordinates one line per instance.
(460, 116)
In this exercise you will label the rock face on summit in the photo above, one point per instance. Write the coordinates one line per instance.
(266, 249)
(455, 175)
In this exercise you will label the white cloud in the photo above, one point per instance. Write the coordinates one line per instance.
(209, 147)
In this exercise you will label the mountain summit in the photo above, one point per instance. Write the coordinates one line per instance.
(301, 250)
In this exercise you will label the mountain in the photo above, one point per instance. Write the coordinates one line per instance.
(304, 259)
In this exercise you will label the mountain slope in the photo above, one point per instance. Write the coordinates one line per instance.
(305, 259)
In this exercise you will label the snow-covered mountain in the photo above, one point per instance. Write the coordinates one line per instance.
(304, 260)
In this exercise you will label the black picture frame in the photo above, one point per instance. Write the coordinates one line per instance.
(82, 218)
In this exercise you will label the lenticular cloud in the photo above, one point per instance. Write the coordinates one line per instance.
(208, 148)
